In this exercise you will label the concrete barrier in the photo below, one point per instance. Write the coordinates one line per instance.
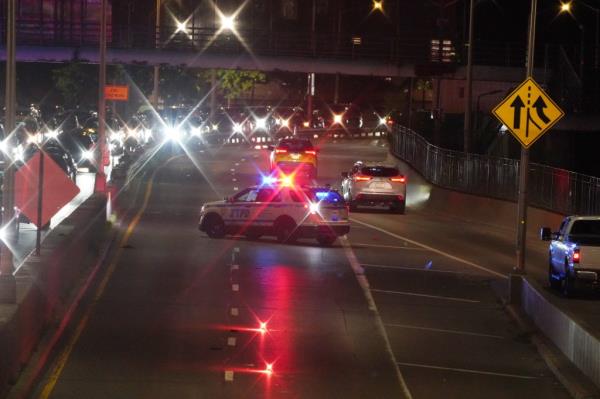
(579, 343)
(44, 283)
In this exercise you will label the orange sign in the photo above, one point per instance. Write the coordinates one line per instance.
(116, 93)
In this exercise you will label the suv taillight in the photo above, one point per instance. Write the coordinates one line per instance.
(362, 178)
(310, 152)
(576, 256)
(280, 151)
(399, 179)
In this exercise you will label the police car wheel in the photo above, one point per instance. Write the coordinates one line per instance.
(215, 228)
(353, 207)
(284, 230)
(326, 240)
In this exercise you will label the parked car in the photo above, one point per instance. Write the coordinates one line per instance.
(574, 254)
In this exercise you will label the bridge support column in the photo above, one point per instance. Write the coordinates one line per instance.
(310, 95)
(8, 284)
(336, 89)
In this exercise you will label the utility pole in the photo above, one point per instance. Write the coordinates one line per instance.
(524, 164)
(100, 185)
(469, 91)
(8, 285)
(155, 90)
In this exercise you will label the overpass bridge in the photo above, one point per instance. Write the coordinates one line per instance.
(403, 55)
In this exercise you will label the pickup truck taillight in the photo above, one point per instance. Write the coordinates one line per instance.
(576, 256)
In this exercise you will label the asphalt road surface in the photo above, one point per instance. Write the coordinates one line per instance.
(391, 311)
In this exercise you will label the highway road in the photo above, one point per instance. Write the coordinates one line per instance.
(404, 306)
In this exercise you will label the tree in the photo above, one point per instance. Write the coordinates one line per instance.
(77, 83)
(233, 83)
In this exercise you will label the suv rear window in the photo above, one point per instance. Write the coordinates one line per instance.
(295, 145)
(379, 171)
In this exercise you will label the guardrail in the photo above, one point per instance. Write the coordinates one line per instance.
(554, 189)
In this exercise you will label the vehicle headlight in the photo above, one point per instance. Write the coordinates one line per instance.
(261, 123)
(87, 155)
(52, 133)
(313, 207)
(382, 121)
(173, 133)
(237, 128)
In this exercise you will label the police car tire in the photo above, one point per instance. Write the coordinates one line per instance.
(215, 228)
(326, 240)
(399, 207)
(352, 206)
(284, 229)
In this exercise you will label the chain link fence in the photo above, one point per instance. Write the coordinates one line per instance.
(554, 189)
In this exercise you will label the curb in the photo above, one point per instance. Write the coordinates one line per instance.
(576, 383)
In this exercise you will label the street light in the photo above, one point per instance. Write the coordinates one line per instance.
(378, 5)
(227, 22)
(181, 27)
(567, 8)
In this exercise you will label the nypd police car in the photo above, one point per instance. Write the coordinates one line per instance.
(285, 211)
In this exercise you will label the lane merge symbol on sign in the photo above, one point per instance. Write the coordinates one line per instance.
(528, 112)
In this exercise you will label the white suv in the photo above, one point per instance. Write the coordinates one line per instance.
(374, 184)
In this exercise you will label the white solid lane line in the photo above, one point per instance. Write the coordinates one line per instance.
(441, 330)
(364, 285)
(445, 298)
(362, 245)
(456, 258)
(427, 366)
(404, 268)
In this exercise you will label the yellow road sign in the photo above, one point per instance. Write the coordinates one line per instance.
(528, 112)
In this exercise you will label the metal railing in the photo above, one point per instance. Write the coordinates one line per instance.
(554, 189)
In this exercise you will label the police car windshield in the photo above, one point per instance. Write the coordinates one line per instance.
(379, 171)
(295, 145)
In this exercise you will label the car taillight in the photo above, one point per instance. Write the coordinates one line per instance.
(576, 256)
(400, 179)
(362, 178)
(310, 152)
(280, 151)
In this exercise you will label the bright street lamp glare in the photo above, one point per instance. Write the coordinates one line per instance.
(565, 7)
(378, 5)
(181, 26)
(227, 22)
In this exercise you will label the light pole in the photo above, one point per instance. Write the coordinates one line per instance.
(155, 92)
(8, 285)
(524, 164)
(469, 93)
(567, 8)
(100, 184)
